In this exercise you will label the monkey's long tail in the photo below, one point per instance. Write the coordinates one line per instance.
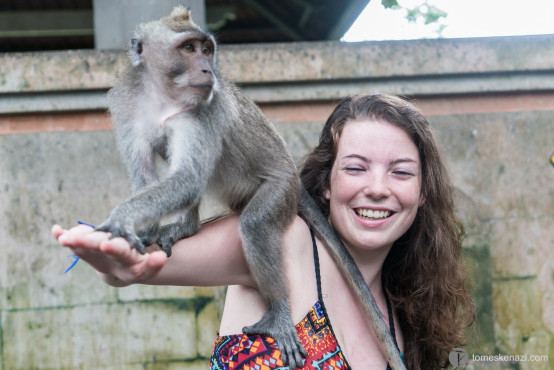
(314, 217)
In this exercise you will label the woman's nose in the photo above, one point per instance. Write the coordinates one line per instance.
(377, 186)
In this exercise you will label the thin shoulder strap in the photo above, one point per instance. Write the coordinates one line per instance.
(316, 264)
(320, 295)
(391, 325)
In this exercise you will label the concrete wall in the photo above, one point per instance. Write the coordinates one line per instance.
(115, 21)
(490, 100)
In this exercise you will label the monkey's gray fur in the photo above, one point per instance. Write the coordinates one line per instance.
(171, 100)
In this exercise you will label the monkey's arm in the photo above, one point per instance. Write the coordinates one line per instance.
(194, 151)
(136, 150)
(139, 159)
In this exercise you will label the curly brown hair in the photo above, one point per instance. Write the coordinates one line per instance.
(423, 274)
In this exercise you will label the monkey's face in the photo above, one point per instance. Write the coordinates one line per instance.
(181, 64)
(192, 71)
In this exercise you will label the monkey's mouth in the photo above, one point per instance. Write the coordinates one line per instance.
(202, 86)
(369, 214)
(201, 91)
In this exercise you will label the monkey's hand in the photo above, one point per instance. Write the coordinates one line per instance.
(124, 230)
(169, 234)
(277, 323)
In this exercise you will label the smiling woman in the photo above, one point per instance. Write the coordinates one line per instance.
(377, 154)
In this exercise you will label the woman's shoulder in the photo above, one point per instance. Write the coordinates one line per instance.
(297, 246)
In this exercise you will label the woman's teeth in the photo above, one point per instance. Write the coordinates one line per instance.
(371, 214)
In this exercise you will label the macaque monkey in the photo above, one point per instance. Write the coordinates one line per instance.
(171, 101)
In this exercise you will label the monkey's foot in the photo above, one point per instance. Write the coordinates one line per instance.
(169, 234)
(278, 325)
(120, 231)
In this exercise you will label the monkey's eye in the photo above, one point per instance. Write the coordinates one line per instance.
(206, 50)
(188, 47)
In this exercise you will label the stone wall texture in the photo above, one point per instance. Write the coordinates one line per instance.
(491, 102)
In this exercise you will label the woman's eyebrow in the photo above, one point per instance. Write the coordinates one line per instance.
(393, 162)
(359, 156)
(404, 160)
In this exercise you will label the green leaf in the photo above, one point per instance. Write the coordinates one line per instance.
(389, 4)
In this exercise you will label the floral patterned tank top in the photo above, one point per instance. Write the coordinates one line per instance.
(261, 352)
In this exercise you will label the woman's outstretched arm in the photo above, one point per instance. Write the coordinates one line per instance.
(213, 256)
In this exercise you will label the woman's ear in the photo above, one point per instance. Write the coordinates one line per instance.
(422, 199)
(327, 194)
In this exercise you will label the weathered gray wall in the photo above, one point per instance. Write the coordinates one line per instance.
(490, 100)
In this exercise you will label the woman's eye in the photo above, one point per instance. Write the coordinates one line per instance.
(402, 173)
(354, 169)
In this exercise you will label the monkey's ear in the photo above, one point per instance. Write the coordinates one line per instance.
(136, 52)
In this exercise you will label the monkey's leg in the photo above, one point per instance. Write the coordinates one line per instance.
(187, 225)
(139, 159)
(315, 218)
(262, 224)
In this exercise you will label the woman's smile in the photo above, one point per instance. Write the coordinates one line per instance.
(372, 214)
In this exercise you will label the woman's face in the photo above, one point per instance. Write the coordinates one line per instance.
(375, 184)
